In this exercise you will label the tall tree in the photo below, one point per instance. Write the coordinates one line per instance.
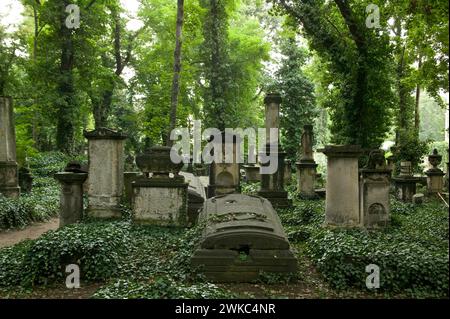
(176, 70)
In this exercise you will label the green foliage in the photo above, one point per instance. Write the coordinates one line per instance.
(412, 254)
(163, 287)
(409, 148)
(46, 164)
(38, 206)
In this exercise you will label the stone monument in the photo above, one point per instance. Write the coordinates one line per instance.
(375, 183)
(342, 199)
(160, 194)
(71, 198)
(106, 166)
(25, 180)
(405, 182)
(306, 166)
(272, 185)
(243, 237)
(435, 176)
(128, 179)
(224, 178)
(9, 178)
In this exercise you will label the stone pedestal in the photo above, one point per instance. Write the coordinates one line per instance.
(25, 180)
(106, 166)
(224, 178)
(405, 187)
(71, 198)
(342, 199)
(128, 179)
(435, 176)
(9, 179)
(375, 205)
(307, 167)
(306, 180)
(272, 185)
(252, 173)
(159, 199)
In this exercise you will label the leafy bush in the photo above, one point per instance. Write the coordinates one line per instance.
(40, 205)
(412, 254)
(46, 164)
(163, 287)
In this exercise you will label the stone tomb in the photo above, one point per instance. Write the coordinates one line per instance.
(375, 183)
(243, 237)
(196, 197)
(405, 183)
(9, 178)
(160, 194)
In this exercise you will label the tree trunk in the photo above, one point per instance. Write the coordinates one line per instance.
(65, 102)
(176, 71)
(416, 110)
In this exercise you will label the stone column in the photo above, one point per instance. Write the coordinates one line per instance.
(272, 185)
(9, 178)
(435, 176)
(71, 198)
(342, 199)
(307, 167)
(106, 166)
(374, 190)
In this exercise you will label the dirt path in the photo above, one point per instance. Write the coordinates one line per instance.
(12, 237)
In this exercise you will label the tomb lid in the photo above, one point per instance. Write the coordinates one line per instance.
(104, 133)
(236, 221)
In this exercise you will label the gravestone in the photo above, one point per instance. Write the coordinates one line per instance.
(196, 197)
(128, 179)
(243, 237)
(160, 194)
(9, 178)
(306, 166)
(106, 166)
(405, 183)
(25, 180)
(287, 172)
(272, 185)
(375, 183)
(435, 176)
(71, 197)
(224, 178)
(342, 189)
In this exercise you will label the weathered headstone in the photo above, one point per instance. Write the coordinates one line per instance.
(196, 197)
(71, 197)
(106, 167)
(224, 178)
(25, 180)
(374, 190)
(405, 182)
(243, 237)
(160, 194)
(435, 176)
(272, 185)
(9, 178)
(307, 167)
(342, 190)
(128, 179)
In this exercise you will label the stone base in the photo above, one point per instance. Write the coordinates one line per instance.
(306, 180)
(104, 213)
(10, 192)
(435, 181)
(405, 188)
(160, 201)
(278, 199)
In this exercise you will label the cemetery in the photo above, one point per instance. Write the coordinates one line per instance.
(344, 196)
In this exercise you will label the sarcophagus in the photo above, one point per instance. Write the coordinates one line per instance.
(242, 238)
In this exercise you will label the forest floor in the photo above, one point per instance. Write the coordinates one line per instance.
(12, 237)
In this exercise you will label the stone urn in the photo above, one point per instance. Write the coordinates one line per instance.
(157, 160)
(435, 160)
